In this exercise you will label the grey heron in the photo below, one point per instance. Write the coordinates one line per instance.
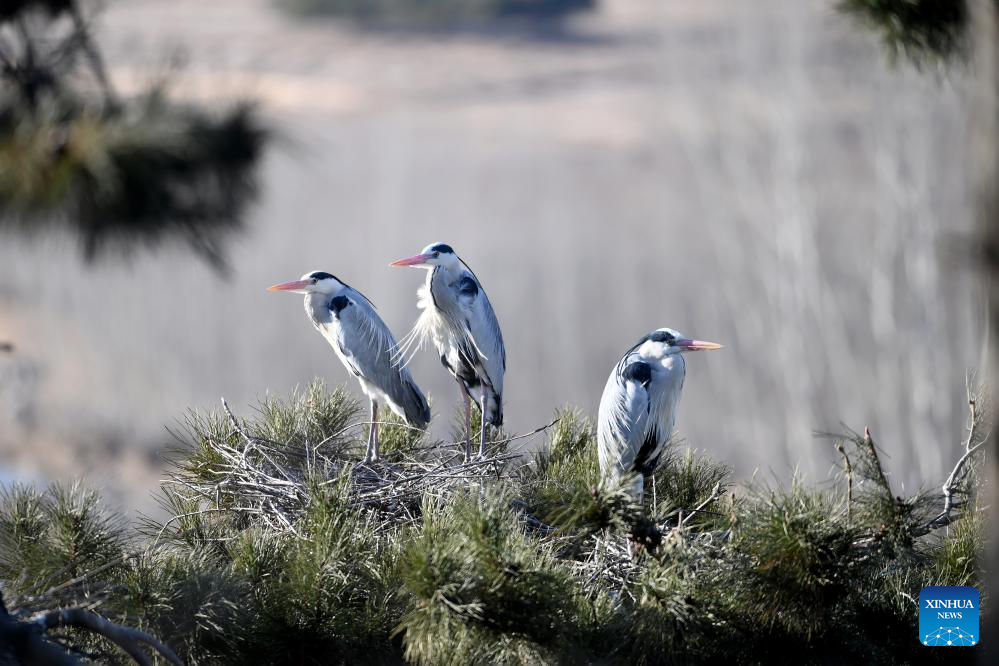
(457, 316)
(351, 325)
(638, 406)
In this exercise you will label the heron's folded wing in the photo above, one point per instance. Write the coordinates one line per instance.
(624, 419)
(482, 326)
(367, 344)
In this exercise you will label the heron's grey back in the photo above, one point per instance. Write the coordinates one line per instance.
(365, 344)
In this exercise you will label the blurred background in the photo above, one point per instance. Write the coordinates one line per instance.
(758, 174)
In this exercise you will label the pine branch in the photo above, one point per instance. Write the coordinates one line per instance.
(849, 480)
(872, 450)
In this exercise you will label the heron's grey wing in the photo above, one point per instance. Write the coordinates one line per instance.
(366, 344)
(479, 321)
(625, 422)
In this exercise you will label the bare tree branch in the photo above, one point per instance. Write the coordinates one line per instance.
(972, 445)
(128, 639)
(715, 494)
(235, 422)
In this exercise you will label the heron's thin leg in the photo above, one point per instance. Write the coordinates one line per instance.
(485, 425)
(468, 420)
(372, 453)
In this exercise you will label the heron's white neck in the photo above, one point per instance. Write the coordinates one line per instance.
(317, 303)
(652, 352)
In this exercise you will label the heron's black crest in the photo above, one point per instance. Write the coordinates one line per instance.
(338, 303)
(442, 247)
(320, 275)
(662, 336)
(639, 371)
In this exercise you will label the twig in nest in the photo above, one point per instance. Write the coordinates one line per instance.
(181, 516)
(849, 480)
(128, 639)
(235, 423)
(81, 578)
(683, 517)
(525, 435)
(715, 494)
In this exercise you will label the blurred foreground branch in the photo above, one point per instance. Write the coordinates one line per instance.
(118, 173)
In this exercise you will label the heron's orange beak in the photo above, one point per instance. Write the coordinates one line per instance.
(697, 345)
(290, 286)
(412, 261)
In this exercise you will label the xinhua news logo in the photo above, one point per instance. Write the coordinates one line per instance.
(948, 616)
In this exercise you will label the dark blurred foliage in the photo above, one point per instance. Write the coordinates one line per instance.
(435, 12)
(945, 31)
(12, 8)
(922, 30)
(119, 173)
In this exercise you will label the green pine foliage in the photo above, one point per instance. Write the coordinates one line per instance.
(47, 537)
(314, 419)
(186, 599)
(955, 559)
(323, 593)
(798, 565)
(276, 546)
(563, 471)
(685, 481)
(476, 577)
(396, 439)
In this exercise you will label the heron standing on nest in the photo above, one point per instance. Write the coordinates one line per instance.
(364, 344)
(638, 406)
(457, 315)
